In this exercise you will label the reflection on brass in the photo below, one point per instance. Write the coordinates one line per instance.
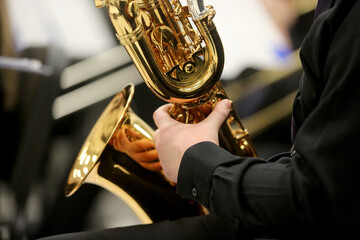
(148, 193)
(100, 136)
(179, 54)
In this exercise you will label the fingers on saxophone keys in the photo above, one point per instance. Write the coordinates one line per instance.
(121, 142)
(142, 145)
(146, 157)
(155, 167)
(131, 133)
(148, 160)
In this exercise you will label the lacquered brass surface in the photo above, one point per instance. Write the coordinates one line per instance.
(149, 194)
(99, 137)
(179, 54)
(177, 62)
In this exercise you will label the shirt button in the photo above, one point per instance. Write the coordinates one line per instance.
(194, 192)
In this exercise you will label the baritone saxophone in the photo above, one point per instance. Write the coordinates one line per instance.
(178, 52)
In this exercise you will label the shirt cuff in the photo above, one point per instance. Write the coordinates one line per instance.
(196, 169)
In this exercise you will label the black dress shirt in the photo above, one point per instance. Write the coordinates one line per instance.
(322, 6)
(317, 188)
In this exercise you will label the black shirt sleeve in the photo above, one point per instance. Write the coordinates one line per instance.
(316, 188)
(252, 191)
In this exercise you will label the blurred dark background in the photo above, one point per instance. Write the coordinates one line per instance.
(60, 65)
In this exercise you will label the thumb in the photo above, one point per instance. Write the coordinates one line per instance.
(161, 115)
(219, 113)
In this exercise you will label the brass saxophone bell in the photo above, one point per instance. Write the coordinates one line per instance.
(149, 194)
(99, 137)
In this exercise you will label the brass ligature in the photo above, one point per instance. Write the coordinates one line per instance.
(179, 54)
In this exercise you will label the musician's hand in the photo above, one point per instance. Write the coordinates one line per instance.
(140, 150)
(173, 138)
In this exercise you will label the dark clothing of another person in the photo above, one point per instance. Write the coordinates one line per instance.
(310, 192)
